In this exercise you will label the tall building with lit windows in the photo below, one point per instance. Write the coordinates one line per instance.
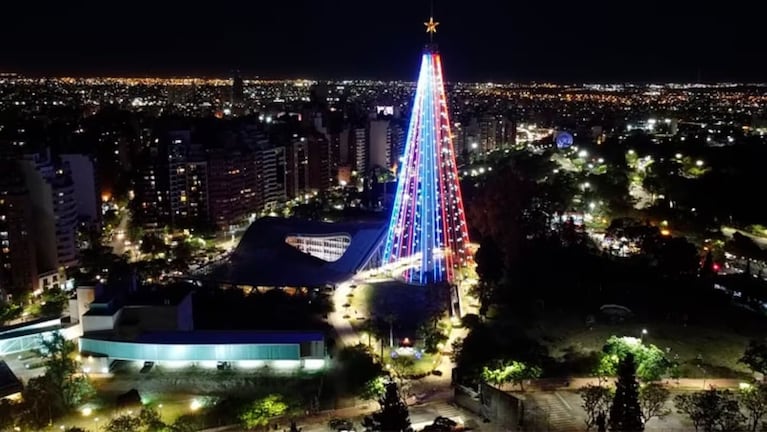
(18, 262)
(427, 229)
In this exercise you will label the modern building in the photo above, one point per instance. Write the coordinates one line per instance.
(86, 194)
(380, 143)
(291, 253)
(157, 326)
(307, 166)
(54, 209)
(270, 181)
(187, 180)
(358, 149)
(18, 261)
(231, 187)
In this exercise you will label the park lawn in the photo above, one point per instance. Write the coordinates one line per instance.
(169, 406)
(422, 366)
(718, 350)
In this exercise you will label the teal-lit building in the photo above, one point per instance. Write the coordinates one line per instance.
(276, 350)
(157, 326)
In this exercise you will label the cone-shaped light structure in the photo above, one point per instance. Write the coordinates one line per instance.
(428, 227)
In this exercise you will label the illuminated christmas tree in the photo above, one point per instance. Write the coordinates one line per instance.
(428, 227)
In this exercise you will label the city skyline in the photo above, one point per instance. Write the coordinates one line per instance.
(490, 41)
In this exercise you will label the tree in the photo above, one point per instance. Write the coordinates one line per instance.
(262, 410)
(596, 402)
(753, 400)
(374, 389)
(359, 371)
(123, 423)
(152, 244)
(68, 386)
(489, 259)
(150, 419)
(711, 410)
(652, 401)
(40, 403)
(514, 371)
(8, 411)
(393, 415)
(432, 336)
(53, 302)
(755, 356)
(625, 412)
(651, 361)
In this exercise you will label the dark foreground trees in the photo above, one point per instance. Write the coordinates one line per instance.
(393, 415)
(625, 412)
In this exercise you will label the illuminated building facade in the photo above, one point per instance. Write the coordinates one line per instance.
(428, 224)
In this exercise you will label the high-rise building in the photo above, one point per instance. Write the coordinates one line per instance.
(270, 176)
(307, 163)
(358, 149)
(238, 90)
(380, 143)
(427, 222)
(187, 180)
(86, 194)
(231, 186)
(18, 261)
(54, 209)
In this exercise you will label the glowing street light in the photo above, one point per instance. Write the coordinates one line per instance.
(699, 163)
(195, 405)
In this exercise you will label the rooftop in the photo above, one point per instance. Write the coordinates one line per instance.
(207, 337)
(9, 383)
(262, 258)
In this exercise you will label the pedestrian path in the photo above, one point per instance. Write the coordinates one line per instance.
(555, 413)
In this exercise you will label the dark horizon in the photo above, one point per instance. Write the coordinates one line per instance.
(482, 41)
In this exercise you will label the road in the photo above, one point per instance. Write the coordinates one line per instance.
(347, 336)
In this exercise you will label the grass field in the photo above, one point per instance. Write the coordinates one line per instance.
(716, 351)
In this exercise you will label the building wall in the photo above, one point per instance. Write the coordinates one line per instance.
(189, 352)
(95, 323)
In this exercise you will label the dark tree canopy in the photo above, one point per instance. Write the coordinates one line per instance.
(393, 416)
(625, 412)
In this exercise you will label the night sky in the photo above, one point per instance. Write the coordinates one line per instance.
(481, 40)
